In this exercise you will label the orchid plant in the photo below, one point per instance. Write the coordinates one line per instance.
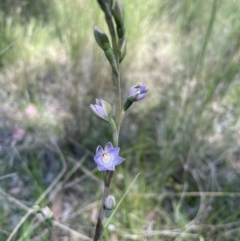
(108, 158)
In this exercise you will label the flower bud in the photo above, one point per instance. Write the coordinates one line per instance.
(102, 1)
(37, 209)
(136, 93)
(106, 6)
(101, 39)
(118, 14)
(121, 31)
(110, 55)
(122, 46)
(109, 205)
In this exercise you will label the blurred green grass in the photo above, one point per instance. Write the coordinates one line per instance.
(183, 138)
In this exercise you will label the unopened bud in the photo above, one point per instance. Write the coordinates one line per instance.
(110, 55)
(102, 1)
(37, 209)
(118, 14)
(101, 39)
(121, 31)
(109, 205)
(122, 46)
(106, 6)
(135, 93)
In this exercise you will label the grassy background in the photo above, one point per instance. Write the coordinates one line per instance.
(183, 138)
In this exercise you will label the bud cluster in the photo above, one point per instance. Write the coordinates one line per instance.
(116, 11)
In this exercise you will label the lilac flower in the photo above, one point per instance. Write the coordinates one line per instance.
(107, 158)
(102, 109)
(137, 92)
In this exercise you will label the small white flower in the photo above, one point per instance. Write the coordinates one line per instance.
(46, 211)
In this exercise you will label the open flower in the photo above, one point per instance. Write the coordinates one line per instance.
(102, 109)
(137, 92)
(107, 158)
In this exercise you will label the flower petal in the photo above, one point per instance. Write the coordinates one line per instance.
(107, 107)
(94, 109)
(118, 160)
(109, 166)
(114, 153)
(108, 147)
(97, 112)
(143, 88)
(137, 92)
(141, 96)
(101, 112)
(132, 91)
(98, 159)
(98, 102)
(102, 168)
(99, 150)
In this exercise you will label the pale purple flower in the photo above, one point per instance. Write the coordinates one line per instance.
(137, 92)
(107, 158)
(102, 109)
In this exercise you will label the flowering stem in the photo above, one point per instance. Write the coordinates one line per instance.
(118, 119)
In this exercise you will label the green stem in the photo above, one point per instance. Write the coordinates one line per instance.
(116, 77)
(118, 108)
